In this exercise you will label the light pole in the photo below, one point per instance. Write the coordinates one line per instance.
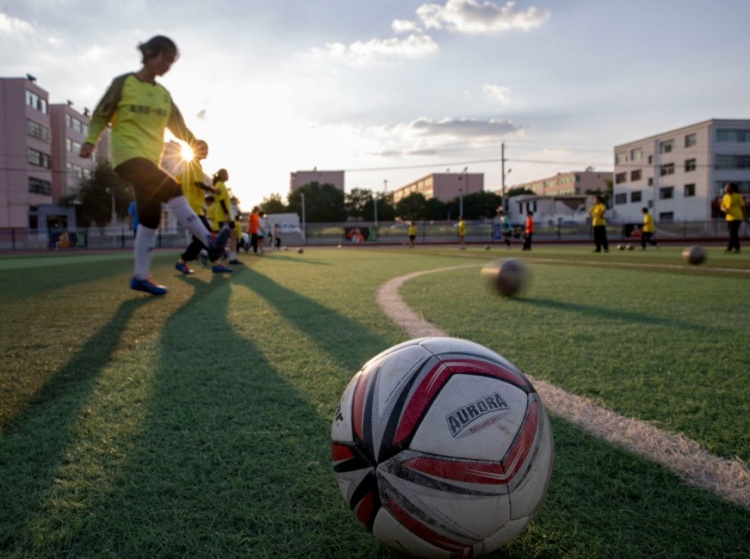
(375, 206)
(304, 228)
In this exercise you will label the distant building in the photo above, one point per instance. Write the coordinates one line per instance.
(442, 186)
(39, 161)
(302, 178)
(680, 174)
(549, 210)
(569, 183)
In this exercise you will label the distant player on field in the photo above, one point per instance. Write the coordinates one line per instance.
(647, 231)
(733, 206)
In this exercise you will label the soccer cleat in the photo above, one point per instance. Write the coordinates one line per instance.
(183, 267)
(235, 262)
(221, 269)
(148, 286)
(216, 244)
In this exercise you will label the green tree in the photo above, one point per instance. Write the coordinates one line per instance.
(412, 207)
(273, 205)
(386, 211)
(518, 190)
(323, 203)
(356, 202)
(93, 198)
(435, 209)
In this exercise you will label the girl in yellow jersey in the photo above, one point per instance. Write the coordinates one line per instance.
(733, 206)
(647, 231)
(599, 223)
(139, 109)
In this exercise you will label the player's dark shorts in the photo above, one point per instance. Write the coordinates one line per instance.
(412, 237)
(152, 187)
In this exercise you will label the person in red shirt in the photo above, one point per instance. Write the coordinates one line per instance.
(528, 231)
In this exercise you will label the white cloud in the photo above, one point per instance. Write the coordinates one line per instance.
(414, 46)
(471, 16)
(497, 93)
(13, 26)
(404, 26)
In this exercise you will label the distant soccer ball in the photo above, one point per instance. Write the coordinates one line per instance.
(300, 250)
(442, 448)
(694, 255)
(630, 247)
(620, 247)
(486, 247)
(508, 276)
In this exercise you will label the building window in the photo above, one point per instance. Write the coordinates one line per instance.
(620, 178)
(621, 158)
(35, 102)
(635, 196)
(733, 135)
(37, 130)
(38, 158)
(689, 190)
(650, 159)
(621, 198)
(690, 140)
(666, 216)
(690, 165)
(636, 154)
(39, 186)
(666, 147)
(666, 193)
(732, 162)
(635, 175)
(667, 169)
(651, 181)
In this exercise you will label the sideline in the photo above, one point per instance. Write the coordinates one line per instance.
(694, 465)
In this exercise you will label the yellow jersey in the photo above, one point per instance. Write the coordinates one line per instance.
(648, 223)
(223, 195)
(734, 207)
(597, 214)
(192, 172)
(138, 112)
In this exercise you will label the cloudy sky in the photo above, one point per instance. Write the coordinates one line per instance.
(392, 90)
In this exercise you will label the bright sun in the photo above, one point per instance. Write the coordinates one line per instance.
(186, 152)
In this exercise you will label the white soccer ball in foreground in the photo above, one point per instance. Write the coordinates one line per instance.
(442, 448)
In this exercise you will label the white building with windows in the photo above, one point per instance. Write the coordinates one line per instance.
(679, 175)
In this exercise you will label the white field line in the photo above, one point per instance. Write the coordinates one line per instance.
(694, 465)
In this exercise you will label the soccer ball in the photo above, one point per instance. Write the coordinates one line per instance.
(442, 448)
(630, 247)
(507, 275)
(620, 247)
(300, 250)
(694, 255)
(486, 247)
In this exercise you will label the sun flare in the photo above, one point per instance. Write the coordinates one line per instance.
(186, 152)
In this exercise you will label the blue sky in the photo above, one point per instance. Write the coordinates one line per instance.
(394, 90)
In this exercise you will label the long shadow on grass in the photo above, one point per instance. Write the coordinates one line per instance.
(34, 447)
(612, 314)
(230, 461)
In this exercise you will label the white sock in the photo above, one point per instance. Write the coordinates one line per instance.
(145, 240)
(185, 215)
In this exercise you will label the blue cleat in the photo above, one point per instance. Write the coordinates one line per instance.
(183, 267)
(216, 245)
(221, 269)
(148, 286)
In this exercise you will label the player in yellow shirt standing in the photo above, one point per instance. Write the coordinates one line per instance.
(224, 217)
(412, 233)
(194, 188)
(139, 110)
(461, 233)
(647, 231)
(733, 206)
(599, 223)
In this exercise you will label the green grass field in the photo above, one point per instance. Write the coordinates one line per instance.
(197, 424)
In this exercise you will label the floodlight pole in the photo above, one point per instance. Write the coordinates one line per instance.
(304, 227)
(502, 175)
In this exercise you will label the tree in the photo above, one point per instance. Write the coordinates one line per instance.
(94, 196)
(273, 205)
(356, 202)
(323, 203)
(412, 207)
(518, 190)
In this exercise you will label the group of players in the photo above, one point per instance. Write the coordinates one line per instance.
(139, 110)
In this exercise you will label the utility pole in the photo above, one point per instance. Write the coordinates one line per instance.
(502, 175)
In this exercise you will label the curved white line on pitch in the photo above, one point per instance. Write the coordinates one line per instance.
(729, 479)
